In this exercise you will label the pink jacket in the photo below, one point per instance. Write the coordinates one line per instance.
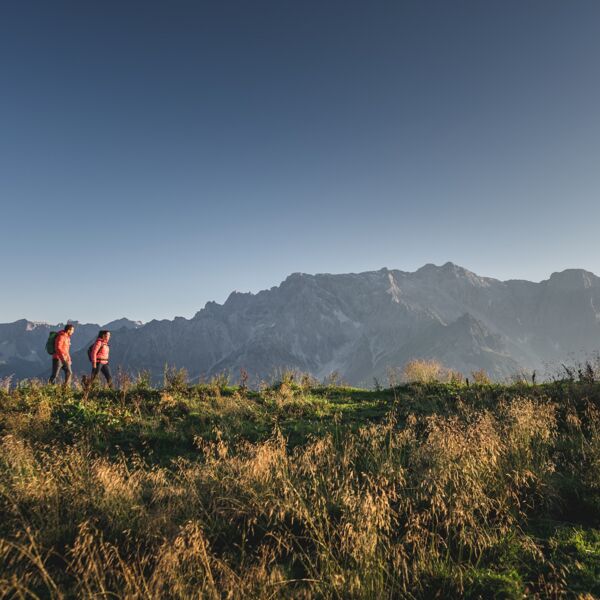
(100, 352)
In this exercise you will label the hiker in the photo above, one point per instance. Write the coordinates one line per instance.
(98, 354)
(61, 358)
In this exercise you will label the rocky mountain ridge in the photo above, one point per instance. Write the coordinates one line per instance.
(361, 324)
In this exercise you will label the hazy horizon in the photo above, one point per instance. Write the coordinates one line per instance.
(157, 156)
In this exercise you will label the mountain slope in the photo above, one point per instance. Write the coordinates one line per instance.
(358, 324)
(362, 324)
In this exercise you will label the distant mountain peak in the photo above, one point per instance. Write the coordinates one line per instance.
(450, 271)
(447, 267)
(31, 325)
(236, 297)
(296, 279)
(122, 323)
(573, 279)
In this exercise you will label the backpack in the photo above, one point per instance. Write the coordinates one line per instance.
(89, 353)
(51, 342)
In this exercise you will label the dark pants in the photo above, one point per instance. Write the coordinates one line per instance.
(105, 371)
(57, 365)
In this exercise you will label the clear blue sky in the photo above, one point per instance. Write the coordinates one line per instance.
(157, 155)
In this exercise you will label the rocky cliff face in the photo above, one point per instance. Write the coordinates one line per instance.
(362, 324)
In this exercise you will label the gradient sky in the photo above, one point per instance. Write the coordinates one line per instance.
(157, 155)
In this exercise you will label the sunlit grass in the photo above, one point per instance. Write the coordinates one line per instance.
(300, 491)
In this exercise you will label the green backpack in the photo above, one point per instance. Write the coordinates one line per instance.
(50, 344)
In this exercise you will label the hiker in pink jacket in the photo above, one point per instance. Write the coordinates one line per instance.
(98, 354)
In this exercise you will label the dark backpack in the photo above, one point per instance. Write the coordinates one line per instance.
(90, 350)
(51, 342)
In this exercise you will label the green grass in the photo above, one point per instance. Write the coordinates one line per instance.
(421, 491)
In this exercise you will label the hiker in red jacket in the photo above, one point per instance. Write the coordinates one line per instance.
(99, 356)
(61, 359)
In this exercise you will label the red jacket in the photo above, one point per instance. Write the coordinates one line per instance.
(62, 346)
(100, 351)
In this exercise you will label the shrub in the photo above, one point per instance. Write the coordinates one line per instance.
(175, 379)
(143, 381)
(480, 377)
(5, 383)
(424, 371)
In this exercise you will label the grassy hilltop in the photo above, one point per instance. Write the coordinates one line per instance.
(300, 491)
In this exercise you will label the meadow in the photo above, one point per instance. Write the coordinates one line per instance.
(300, 490)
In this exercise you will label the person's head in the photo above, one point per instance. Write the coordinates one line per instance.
(104, 334)
(70, 328)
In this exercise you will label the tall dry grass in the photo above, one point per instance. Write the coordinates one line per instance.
(397, 509)
(429, 371)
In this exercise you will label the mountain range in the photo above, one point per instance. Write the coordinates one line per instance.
(358, 325)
